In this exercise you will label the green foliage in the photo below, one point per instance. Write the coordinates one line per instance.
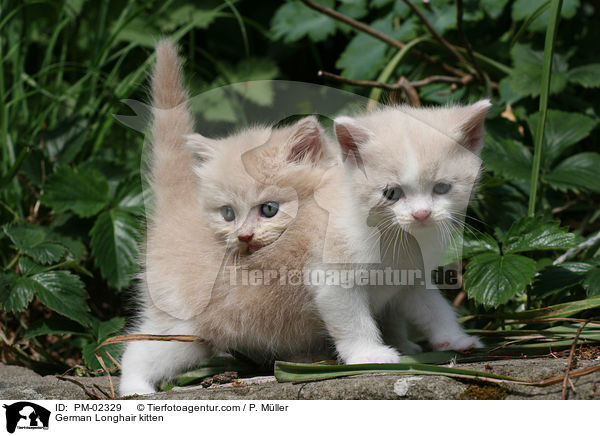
(293, 21)
(493, 279)
(85, 193)
(71, 200)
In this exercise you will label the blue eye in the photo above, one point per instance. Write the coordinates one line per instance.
(441, 188)
(269, 209)
(227, 213)
(394, 193)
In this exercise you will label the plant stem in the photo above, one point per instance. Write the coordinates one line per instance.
(554, 16)
(392, 65)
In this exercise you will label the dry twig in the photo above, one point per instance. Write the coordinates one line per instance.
(435, 33)
(570, 361)
(463, 35)
(129, 338)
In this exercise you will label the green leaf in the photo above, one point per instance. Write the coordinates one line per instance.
(104, 329)
(353, 8)
(294, 21)
(21, 294)
(507, 158)
(507, 94)
(185, 14)
(85, 193)
(130, 197)
(75, 248)
(62, 292)
(492, 279)
(493, 8)
(47, 252)
(34, 241)
(65, 141)
(114, 245)
(555, 278)
(592, 283)
(365, 56)
(29, 267)
(255, 70)
(57, 325)
(526, 76)
(587, 76)
(25, 236)
(90, 359)
(562, 130)
(522, 9)
(215, 105)
(6, 280)
(580, 172)
(528, 234)
(477, 244)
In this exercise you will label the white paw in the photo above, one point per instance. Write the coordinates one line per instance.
(460, 342)
(135, 387)
(373, 354)
(409, 347)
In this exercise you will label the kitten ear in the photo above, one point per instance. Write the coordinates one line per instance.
(351, 136)
(201, 146)
(471, 128)
(306, 141)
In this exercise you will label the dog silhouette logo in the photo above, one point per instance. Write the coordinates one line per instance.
(26, 415)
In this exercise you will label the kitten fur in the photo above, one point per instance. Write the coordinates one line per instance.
(415, 149)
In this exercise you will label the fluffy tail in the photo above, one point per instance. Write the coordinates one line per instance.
(171, 170)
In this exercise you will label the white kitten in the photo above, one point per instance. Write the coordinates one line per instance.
(413, 171)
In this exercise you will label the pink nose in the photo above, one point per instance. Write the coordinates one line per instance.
(246, 238)
(421, 215)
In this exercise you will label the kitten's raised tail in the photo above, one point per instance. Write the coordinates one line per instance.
(171, 171)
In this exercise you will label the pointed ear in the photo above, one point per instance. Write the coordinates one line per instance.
(351, 136)
(471, 127)
(306, 140)
(201, 146)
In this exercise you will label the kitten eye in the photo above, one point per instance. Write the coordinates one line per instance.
(393, 194)
(441, 188)
(269, 209)
(227, 213)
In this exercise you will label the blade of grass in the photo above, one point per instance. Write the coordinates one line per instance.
(241, 25)
(547, 314)
(539, 11)
(303, 372)
(554, 17)
(392, 65)
(299, 372)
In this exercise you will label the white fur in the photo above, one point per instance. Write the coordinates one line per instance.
(414, 149)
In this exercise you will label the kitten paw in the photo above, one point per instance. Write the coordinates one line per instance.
(409, 347)
(460, 343)
(378, 354)
(136, 388)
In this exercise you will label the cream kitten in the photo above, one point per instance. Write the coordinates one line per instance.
(413, 171)
(222, 207)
